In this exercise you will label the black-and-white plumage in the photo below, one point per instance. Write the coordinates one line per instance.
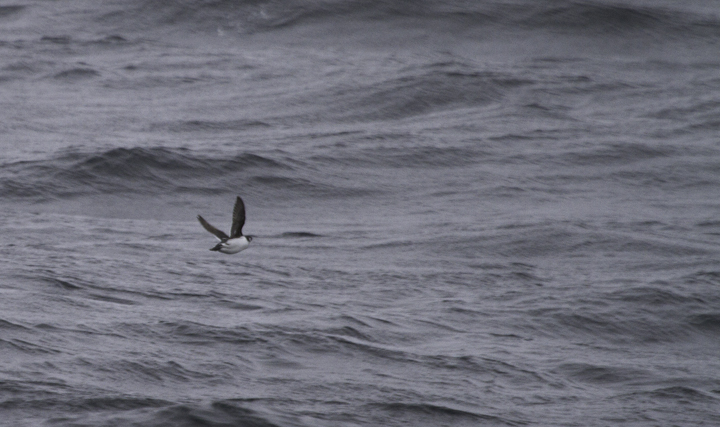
(235, 242)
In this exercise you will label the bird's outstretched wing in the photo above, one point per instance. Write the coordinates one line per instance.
(238, 218)
(206, 225)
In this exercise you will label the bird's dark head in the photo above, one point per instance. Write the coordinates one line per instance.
(249, 238)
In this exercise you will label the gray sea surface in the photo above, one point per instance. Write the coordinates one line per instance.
(498, 213)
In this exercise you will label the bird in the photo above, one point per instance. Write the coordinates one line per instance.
(235, 242)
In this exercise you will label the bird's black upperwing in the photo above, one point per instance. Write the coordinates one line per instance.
(206, 225)
(238, 218)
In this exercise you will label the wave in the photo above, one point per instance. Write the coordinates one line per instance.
(208, 125)
(159, 170)
(136, 410)
(75, 74)
(437, 86)
(107, 403)
(219, 413)
(679, 393)
(7, 325)
(597, 16)
(6, 11)
(641, 315)
(195, 333)
(143, 18)
(422, 413)
(706, 322)
(615, 153)
(595, 374)
(252, 16)
(300, 234)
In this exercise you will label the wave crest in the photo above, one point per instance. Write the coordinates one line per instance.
(160, 170)
(252, 16)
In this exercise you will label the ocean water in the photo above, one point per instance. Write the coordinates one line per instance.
(465, 213)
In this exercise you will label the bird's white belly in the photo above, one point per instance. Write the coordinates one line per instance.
(234, 246)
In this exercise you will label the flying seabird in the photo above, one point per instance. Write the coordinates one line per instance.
(235, 242)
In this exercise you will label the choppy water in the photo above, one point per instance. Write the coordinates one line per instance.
(465, 213)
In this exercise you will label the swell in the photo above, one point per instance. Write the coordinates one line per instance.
(679, 310)
(422, 413)
(158, 170)
(78, 409)
(156, 17)
(83, 404)
(415, 91)
(608, 17)
(219, 413)
(251, 16)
